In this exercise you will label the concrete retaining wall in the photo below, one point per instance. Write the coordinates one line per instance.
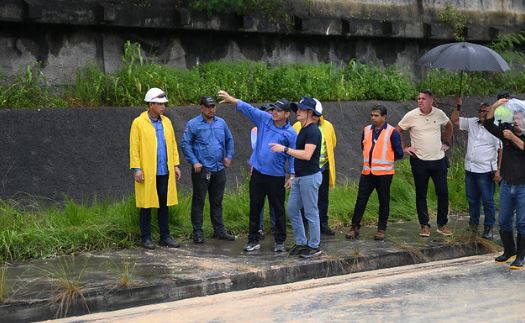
(64, 36)
(83, 153)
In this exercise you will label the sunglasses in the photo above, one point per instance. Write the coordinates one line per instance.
(160, 96)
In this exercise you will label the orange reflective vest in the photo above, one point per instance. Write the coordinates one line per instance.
(382, 156)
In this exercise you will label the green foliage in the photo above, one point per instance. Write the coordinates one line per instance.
(29, 90)
(255, 82)
(456, 20)
(265, 7)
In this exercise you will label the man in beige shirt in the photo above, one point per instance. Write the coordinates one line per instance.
(427, 158)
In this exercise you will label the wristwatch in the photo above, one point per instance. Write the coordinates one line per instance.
(285, 150)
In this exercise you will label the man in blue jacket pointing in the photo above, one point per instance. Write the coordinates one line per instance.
(269, 169)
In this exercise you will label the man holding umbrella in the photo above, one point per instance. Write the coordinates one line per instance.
(481, 167)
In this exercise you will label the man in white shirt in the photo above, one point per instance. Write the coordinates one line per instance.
(481, 167)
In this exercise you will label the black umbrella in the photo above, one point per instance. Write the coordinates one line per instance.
(464, 57)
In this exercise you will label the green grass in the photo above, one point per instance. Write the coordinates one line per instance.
(39, 232)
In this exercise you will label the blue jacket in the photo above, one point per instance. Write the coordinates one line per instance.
(263, 158)
(207, 143)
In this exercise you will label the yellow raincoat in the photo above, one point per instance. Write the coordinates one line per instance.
(329, 136)
(143, 155)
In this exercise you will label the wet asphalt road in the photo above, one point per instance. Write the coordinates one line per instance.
(472, 289)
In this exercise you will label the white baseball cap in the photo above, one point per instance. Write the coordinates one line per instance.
(318, 108)
(155, 95)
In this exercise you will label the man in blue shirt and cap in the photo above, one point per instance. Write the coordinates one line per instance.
(207, 144)
(269, 172)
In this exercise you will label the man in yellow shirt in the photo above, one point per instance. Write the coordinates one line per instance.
(154, 160)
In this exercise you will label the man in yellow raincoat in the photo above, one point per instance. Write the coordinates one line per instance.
(154, 160)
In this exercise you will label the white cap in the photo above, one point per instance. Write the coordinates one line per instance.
(156, 95)
(318, 108)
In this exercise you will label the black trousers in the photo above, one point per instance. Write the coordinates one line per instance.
(423, 170)
(322, 201)
(213, 184)
(367, 184)
(145, 214)
(272, 186)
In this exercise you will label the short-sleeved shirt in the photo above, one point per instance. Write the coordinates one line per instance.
(308, 135)
(425, 132)
(482, 147)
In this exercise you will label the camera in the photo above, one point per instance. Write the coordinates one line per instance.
(506, 126)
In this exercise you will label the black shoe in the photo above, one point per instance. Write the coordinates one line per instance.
(310, 252)
(325, 229)
(197, 237)
(169, 242)
(148, 244)
(224, 236)
(487, 233)
(296, 250)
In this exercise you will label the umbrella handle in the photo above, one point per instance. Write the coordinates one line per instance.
(461, 84)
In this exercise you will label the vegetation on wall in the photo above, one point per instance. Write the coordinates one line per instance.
(255, 81)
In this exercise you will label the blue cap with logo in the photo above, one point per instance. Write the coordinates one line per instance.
(306, 103)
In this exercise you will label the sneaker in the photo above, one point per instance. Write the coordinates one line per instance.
(444, 230)
(296, 250)
(425, 231)
(279, 247)
(380, 235)
(148, 244)
(310, 252)
(169, 242)
(487, 233)
(252, 246)
(261, 234)
(353, 234)
(224, 236)
(325, 229)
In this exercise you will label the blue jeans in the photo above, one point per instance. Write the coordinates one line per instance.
(480, 188)
(304, 194)
(512, 201)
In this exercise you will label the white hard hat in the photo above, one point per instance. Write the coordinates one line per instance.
(318, 108)
(156, 95)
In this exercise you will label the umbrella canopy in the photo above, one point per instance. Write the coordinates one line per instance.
(464, 56)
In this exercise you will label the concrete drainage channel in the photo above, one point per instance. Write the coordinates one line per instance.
(215, 267)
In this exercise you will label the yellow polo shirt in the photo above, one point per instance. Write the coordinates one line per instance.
(425, 132)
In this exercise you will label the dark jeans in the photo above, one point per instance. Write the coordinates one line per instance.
(212, 183)
(480, 188)
(272, 186)
(423, 170)
(367, 184)
(145, 214)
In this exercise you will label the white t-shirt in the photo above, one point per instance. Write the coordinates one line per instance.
(425, 132)
(482, 147)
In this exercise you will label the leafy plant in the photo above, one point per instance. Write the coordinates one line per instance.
(456, 20)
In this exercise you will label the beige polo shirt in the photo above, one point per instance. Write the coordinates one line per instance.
(425, 132)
